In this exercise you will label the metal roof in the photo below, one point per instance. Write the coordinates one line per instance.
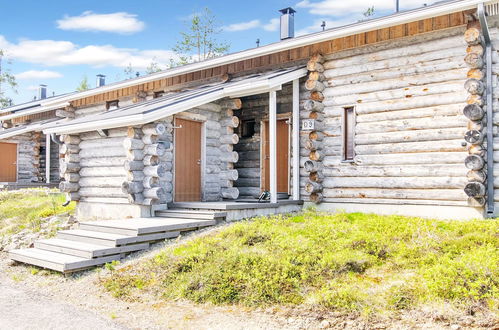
(173, 103)
(27, 128)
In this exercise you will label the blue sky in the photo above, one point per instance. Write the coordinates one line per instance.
(59, 42)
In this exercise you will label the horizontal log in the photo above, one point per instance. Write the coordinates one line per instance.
(476, 176)
(313, 187)
(136, 198)
(400, 159)
(68, 186)
(154, 129)
(72, 177)
(478, 74)
(231, 157)
(135, 133)
(472, 36)
(102, 142)
(430, 112)
(150, 160)
(312, 166)
(474, 136)
(150, 139)
(157, 149)
(72, 158)
(101, 182)
(311, 105)
(230, 122)
(234, 104)
(155, 171)
(475, 99)
(229, 139)
(316, 176)
(102, 192)
(474, 162)
(111, 133)
(474, 61)
(314, 85)
(102, 162)
(229, 175)
(409, 147)
(474, 86)
(229, 193)
(135, 154)
(445, 170)
(103, 152)
(103, 171)
(135, 176)
(69, 168)
(69, 149)
(411, 124)
(133, 187)
(249, 172)
(476, 201)
(316, 197)
(150, 182)
(70, 139)
(133, 165)
(473, 112)
(396, 182)
(411, 136)
(390, 193)
(315, 66)
(475, 189)
(130, 144)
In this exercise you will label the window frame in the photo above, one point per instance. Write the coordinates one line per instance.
(344, 134)
(110, 103)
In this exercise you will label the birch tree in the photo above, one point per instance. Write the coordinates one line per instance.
(7, 81)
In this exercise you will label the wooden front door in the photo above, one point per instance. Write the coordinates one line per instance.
(282, 157)
(8, 162)
(187, 160)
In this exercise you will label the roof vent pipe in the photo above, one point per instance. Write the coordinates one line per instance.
(101, 80)
(42, 92)
(287, 23)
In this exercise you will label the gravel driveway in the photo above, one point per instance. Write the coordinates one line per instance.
(23, 309)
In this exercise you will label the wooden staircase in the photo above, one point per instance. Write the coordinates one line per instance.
(99, 242)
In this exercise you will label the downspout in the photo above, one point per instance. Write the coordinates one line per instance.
(489, 109)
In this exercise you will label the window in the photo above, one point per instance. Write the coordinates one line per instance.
(247, 128)
(159, 94)
(112, 105)
(348, 133)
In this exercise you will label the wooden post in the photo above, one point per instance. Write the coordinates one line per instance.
(47, 158)
(296, 139)
(273, 145)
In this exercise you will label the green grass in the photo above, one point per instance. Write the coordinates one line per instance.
(26, 208)
(346, 262)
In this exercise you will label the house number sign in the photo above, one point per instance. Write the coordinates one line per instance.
(307, 124)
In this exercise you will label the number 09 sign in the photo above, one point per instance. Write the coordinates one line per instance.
(307, 124)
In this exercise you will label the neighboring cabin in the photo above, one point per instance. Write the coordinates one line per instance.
(385, 115)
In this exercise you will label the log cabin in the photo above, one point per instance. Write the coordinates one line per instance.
(393, 115)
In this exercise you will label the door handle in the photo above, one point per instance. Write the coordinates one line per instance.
(198, 161)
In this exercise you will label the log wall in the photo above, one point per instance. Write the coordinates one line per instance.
(28, 157)
(408, 99)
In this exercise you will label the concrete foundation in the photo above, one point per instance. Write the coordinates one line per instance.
(102, 211)
(424, 211)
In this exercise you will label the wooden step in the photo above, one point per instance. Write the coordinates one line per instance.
(109, 239)
(60, 262)
(85, 250)
(192, 214)
(143, 226)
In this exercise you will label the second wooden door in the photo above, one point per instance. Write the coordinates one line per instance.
(282, 157)
(187, 141)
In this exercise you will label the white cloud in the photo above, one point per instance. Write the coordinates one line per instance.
(38, 74)
(242, 26)
(343, 8)
(61, 53)
(120, 22)
(272, 25)
(32, 88)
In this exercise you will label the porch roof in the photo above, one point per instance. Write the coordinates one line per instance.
(26, 128)
(170, 104)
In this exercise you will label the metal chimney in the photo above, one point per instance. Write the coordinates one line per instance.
(287, 23)
(101, 80)
(42, 92)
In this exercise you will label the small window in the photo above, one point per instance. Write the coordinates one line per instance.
(247, 128)
(112, 105)
(348, 133)
(159, 94)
